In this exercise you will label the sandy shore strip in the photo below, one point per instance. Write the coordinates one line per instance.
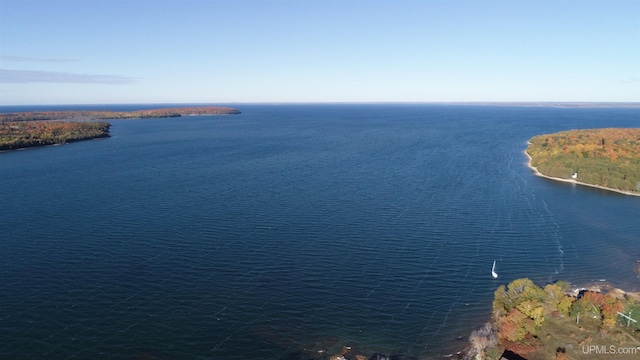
(538, 173)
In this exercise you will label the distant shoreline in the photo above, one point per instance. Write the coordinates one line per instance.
(85, 115)
(559, 104)
(539, 104)
(572, 181)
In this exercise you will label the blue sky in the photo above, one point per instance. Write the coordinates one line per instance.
(215, 51)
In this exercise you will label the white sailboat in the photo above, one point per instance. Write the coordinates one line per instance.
(494, 274)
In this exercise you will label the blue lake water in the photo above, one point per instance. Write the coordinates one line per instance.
(292, 229)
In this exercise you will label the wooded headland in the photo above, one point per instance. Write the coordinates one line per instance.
(38, 128)
(607, 158)
(24, 134)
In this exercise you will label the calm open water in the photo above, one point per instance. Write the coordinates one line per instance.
(290, 229)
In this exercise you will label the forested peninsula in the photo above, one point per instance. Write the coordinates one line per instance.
(604, 158)
(38, 128)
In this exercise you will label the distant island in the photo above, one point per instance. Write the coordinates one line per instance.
(38, 128)
(567, 105)
(603, 158)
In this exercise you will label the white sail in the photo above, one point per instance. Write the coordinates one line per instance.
(493, 270)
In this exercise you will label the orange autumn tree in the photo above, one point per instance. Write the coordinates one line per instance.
(598, 304)
(610, 308)
(519, 309)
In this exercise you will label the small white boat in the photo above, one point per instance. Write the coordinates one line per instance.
(494, 274)
(574, 176)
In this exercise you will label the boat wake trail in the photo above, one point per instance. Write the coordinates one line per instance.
(553, 228)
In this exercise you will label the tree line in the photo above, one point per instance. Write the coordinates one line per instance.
(22, 134)
(113, 115)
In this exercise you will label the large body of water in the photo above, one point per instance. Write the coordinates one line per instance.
(291, 229)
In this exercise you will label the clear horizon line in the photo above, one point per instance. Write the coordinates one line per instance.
(223, 103)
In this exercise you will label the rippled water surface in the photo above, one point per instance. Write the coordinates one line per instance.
(290, 229)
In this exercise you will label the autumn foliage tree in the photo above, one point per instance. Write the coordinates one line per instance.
(482, 339)
(519, 308)
(557, 299)
(610, 308)
(606, 307)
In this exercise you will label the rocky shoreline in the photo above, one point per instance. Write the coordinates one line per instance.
(466, 348)
(351, 353)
